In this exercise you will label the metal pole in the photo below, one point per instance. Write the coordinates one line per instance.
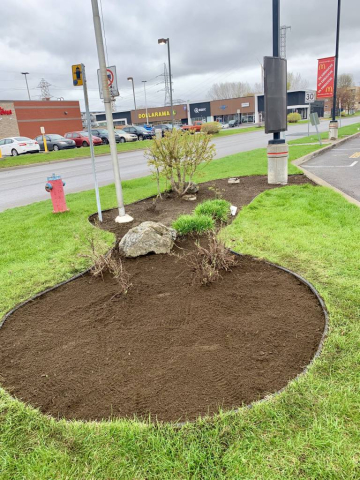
(336, 59)
(88, 120)
(132, 81)
(27, 86)
(276, 42)
(309, 121)
(171, 99)
(108, 113)
(147, 118)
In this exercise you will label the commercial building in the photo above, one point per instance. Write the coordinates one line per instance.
(25, 117)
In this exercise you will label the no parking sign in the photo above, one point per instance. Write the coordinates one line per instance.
(112, 82)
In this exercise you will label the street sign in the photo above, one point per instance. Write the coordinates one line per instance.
(77, 75)
(310, 97)
(314, 119)
(42, 130)
(112, 82)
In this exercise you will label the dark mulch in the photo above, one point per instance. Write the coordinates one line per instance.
(168, 348)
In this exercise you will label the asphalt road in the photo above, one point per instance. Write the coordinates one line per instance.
(340, 167)
(22, 186)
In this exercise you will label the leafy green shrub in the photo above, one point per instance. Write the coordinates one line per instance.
(186, 224)
(293, 117)
(211, 127)
(218, 209)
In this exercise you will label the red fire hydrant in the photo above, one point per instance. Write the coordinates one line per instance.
(55, 186)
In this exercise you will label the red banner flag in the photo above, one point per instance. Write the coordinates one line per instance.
(325, 78)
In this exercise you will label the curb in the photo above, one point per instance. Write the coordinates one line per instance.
(319, 181)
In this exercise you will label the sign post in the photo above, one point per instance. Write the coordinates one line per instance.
(309, 98)
(79, 78)
(42, 131)
(315, 122)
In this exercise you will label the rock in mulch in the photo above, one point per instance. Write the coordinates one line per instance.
(148, 237)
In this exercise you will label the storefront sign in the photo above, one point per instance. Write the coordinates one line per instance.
(164, 113)
(325, 79)
(246, 104)
(5, 112)
(223, 107)
(200, 109)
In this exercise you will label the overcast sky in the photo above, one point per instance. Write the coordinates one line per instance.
(211, 41)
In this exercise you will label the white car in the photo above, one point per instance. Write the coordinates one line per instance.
(17, 145)
(125, 136)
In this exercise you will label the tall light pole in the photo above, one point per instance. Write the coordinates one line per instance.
(163, 41)
(27, 86)
(336, 61)
(130, 79)
(122, 217)
(147, 118)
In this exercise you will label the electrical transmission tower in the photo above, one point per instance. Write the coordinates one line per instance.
(283, 30)
(166, 88)
(44, 88)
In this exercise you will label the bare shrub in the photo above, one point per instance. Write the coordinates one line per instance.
(107, 263)
(207, 262)
(176, 157)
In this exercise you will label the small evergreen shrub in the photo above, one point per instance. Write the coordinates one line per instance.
(186, 224)
(217, 209)
(293, 117)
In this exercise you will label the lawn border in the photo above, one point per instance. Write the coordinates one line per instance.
(229, 412)
(319, 181)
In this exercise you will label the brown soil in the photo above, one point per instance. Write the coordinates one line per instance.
(167, 348)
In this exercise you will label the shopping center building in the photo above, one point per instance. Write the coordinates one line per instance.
(25, 117)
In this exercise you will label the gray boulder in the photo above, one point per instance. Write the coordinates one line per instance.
(146, 238)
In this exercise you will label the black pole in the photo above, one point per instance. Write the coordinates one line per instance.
(336, 60)
(276, 41)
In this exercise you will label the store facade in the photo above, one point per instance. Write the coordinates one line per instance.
(242, 109)
(200, 112)
(24, 118)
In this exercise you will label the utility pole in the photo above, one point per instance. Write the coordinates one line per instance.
(275, 106)
(130, 79)
(334, 124)
(122, 217)
(147, 118)
(27, 86)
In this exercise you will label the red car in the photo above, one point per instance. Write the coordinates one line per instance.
(82, 139)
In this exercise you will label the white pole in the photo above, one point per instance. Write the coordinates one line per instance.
(88, 120)
(122, 217)
(309, 121)
(147, 117)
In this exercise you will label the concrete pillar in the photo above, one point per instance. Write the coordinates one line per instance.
(333, 130)
(278, 155)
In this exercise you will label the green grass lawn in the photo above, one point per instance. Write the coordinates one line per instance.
(69, 154)
(309, 431)
(233, 131)
(343, 132)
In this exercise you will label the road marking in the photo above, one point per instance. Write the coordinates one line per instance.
(355, 155)
(332, 166)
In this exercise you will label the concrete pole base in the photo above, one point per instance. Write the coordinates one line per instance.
(278, 155)
(333, 130)
(124, 219)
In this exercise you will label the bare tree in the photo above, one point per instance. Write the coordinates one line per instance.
(220, 91)
(346, 92)
(296, 82)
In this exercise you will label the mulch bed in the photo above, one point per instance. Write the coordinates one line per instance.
(169, 349)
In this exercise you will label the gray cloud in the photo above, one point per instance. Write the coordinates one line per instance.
(211, 41)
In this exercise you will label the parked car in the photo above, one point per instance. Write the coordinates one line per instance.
(126, 137)
(149, 128)
(55, 142)
(224, 125)
(140, 132)
(195, 127)
(164, 128)
(234, 123)
(104, 135)
(82, 139)
(17, 145)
